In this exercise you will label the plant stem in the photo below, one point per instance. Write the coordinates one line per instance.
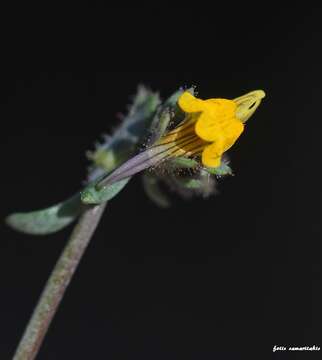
(57, 283)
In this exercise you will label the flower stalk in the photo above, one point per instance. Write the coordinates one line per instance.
(57, 283)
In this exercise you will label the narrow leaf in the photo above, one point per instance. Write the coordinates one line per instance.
(46, 221)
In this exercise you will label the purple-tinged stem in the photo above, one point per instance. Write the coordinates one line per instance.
(57, 283)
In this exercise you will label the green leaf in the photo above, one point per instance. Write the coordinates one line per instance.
(107, 156)
(154, 192)
(92, 195)
(46, 221)
(121, 145)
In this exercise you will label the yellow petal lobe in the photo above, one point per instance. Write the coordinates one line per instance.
(207, 128)
(189, 104)
(210, 156)
(217, 115)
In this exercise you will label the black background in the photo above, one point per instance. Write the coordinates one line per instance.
(223, 278)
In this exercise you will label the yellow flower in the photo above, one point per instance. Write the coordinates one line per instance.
(211, 126)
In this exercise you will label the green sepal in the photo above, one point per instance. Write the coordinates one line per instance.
(163, 116)
(46, 221)
(160, 125)
(172, 103)
(167, 116)
(191, 183)
(173, 99)
(222, 170)
(154, 192)
(184, 163)
(92, 195)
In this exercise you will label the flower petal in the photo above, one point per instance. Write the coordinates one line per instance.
(188, 103)
(232, 132)
(247, 104)
(211, 156)
(217, 115)
(225, 139)
(221, 107)
(207, 127)
(208, 161)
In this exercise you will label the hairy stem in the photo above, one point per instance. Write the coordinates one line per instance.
(57, 283)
